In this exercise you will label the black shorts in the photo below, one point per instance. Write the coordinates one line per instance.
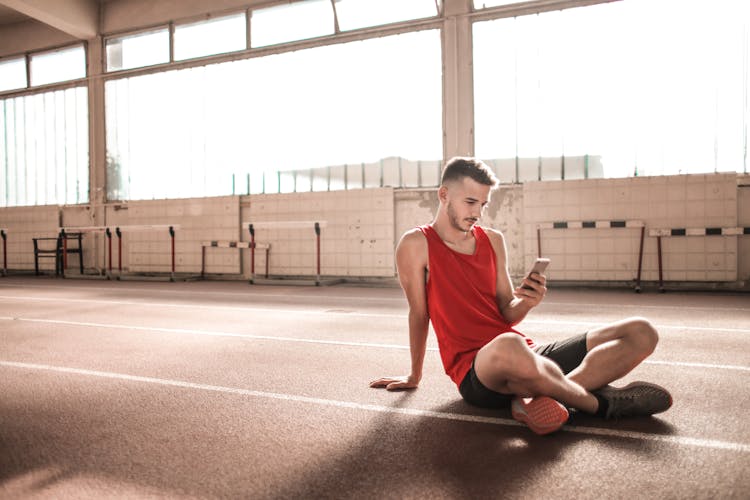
(567, 353)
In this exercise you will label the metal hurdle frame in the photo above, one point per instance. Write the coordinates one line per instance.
(118, 230)
(598, 224)
(681, 231)
(80, 229)
(315, 225)
(141, 228)
(4, 236)
(234, 244)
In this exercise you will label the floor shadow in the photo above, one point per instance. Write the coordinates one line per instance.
(404, 456)
(425, 456)
(196, 449)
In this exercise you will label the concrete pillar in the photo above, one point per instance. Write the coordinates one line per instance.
(97, 146)
(458, 80)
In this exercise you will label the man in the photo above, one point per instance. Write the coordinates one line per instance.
(455, 274)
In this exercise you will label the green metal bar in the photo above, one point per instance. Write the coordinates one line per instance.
(562, 168)
(400, 174)
(586, 166)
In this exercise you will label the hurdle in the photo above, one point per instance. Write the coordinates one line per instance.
(4, 236)
(142, 228)
(235, 244)
(118, 230)
(78, 229)
(598, 224)
(682, 231)
(315, 225)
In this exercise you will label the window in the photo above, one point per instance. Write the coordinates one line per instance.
(58, 65)
(288, 23)
(44, 154)
(217, 36)
(138, 50)
(290, 121)
(354, 14)
(560, 93)
(485, 4)
(13, 74)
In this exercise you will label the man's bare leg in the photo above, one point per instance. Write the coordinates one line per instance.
(613, 351)
(508, 366)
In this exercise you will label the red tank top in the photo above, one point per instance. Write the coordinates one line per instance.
(461, 301)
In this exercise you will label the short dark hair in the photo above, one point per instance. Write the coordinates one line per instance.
(459, 167)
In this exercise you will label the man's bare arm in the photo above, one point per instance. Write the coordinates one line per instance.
(411, 262)
(514, 304)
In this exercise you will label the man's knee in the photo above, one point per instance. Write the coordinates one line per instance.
(642, 334)
(507, 357)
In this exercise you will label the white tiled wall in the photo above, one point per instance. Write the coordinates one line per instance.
(364, 226)
(199, 219)
(357, 240)
(82, 216)
(743, 220)
(686, 201)
(21, 224)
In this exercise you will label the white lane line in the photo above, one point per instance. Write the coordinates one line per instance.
(326, 312)
(640, 436)
(698, 365)
(360, 298)
(594, 324)
(248, 294)
(208, 333)
(249, 336)
(162, 305)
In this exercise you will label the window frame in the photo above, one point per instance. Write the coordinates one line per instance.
(24, 58)
(122, 35)
(174, 25)
(438, 13)
(30, 55)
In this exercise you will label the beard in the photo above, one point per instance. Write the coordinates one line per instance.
(463, 225)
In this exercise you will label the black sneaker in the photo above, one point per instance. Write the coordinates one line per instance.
(638, 399)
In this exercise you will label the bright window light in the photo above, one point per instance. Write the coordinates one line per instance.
(288, 23)
(355, 14)
(574, 91)
(13, 74)
(217, 36)
(135, 51)
(232, 127)
(44, 148)
(58, 66)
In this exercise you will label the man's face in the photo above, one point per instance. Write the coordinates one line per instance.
(465, 202)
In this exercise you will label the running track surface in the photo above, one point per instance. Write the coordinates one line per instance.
(221, 389)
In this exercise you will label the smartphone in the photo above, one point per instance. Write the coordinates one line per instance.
(539, 266)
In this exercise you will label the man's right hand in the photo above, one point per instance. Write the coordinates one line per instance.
(395, 383)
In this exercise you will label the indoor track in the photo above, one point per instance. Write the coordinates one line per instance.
(222, 389)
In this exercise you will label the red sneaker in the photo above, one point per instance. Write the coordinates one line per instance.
(542, 414)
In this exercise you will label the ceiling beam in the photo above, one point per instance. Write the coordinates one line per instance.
(78, 18)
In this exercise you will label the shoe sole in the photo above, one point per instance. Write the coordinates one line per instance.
(543, 415)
